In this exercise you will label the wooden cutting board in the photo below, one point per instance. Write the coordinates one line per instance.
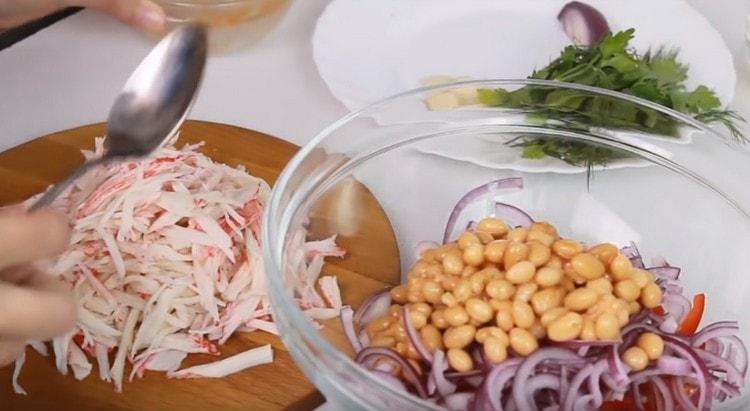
(29, 168)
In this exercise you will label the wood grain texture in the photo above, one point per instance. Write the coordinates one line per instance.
(29, 168)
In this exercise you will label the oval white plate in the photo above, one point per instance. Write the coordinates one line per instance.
(369, 50)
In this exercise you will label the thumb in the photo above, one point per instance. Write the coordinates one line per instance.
(25, 237)
(139, 13)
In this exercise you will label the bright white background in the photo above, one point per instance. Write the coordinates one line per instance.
(68, 74)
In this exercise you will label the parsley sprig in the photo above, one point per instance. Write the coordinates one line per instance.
(611, 64)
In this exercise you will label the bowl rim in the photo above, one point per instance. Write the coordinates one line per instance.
(272, 250)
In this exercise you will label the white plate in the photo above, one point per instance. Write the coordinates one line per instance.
(369, 50)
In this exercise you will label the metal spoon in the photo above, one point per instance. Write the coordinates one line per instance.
(153, 103)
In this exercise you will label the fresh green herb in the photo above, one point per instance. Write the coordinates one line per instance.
(613, 65)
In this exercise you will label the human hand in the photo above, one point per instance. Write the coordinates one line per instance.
(33, 304)
(144, 14)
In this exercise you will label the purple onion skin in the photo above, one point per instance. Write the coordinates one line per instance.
(583, 24)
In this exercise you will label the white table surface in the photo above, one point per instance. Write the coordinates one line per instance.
(67, 75)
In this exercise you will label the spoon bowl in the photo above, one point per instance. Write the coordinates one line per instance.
(158, 95)
(153, 104)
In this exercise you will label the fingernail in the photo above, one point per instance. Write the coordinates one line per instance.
(150, 16)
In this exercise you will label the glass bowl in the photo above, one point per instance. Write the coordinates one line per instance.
(387, 177)
(232, 24)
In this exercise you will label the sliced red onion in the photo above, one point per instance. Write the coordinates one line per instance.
(387, 367)
(668, 272)
(455, 375)
(701, 371)
(527, 368)
(473, 195)
(583, 24)
(617, 369)
(715, 330)
(670, 287)
(595, 384)
(676, 305)
(683, 400)
(422, 246)
(733, 375)
(582, 403)
(633, 255)
(347, 322)
(369, 354)
(389, 379)
(459, 401)
(474, 381)
(672, 365)
(513, 216)
(739, 353)
(572, 396)
(439, 365)
(669, 325)
(589, 343)
(540, 382)
(373, 307)
(364, 338)
(662, 388)
(495, 382)
(726, 388)
(414, 337)
(637, 397)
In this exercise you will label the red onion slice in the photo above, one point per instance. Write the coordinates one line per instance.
(583, 24)
(373, 307)
(474, 195)
(439, 365)
(738, 353)
(668, 272)
(369, 354)
(661, 387)
(389, 379)
(672, 365)
(633, 254)
(669, 325)
(733, 375)
(715, 330)
(676, 305)
(617, 369)
(527, 368)
(514, 216)
(572, 397)
(495, 382)
(702, 375)
(414, 337)
(459, 401)
(347, 322)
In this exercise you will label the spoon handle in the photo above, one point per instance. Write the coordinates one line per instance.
(58, 188)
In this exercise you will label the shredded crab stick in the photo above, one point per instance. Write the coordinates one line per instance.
(165, 260)
(230, 365)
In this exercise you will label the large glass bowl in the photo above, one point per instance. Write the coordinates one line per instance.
(679, 197)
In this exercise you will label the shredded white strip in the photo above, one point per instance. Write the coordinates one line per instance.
(16, 372)
(227, 366)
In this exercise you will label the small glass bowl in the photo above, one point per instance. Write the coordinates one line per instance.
(385, 178)
(232, 24)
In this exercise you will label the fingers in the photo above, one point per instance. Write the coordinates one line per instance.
(25, 237)
(10, 350)
(40, 310)
(144, 14)
(139, 13)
